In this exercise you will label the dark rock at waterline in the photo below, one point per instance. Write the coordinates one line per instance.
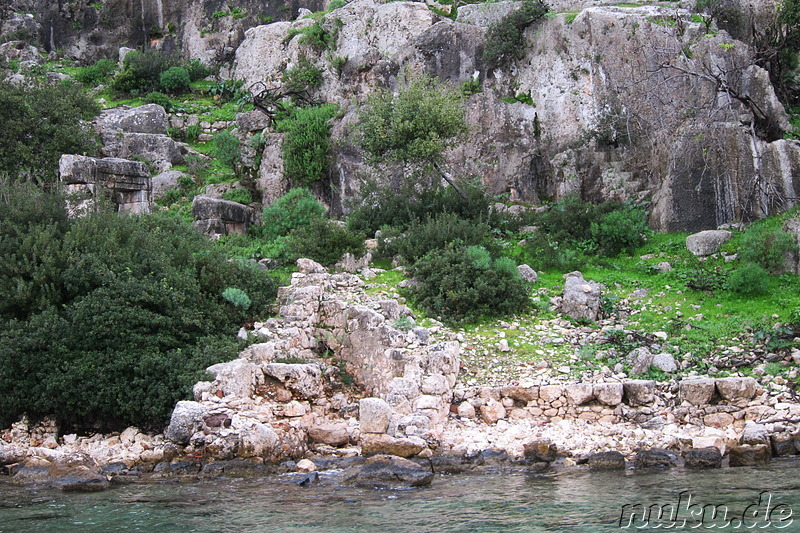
(783, 445)
(308, 479)
(114, 469)
(606, 461)
(749, 455)
(24, 473)
(540, 451)
(655, 458)
(703, 458)
(388, 471)
(78, 479)
(449, 464)
(239, 468)
(177, 468)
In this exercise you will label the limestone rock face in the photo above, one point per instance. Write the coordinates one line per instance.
(127, 183)
(581, 298)
(696, 391)
(639, 392)
(374, 415)
(736, 389)
(305, 381)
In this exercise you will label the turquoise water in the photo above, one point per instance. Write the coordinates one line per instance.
(573, 501)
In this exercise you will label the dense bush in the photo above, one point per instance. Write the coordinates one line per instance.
(94, 75)
(415, 125)
(384, 206)
(504, 39)
(766, 247)
(295, 209)
(573, 230)
(141, 72)
(226, 149)
(307, 143)
(197, 70)
(241, 196)
(161, 99)
(324, 241)
(107, 321)
(434, 233)
(748, 279)
(463, 284)
(302, 77)
(40, 123)
(174, 79)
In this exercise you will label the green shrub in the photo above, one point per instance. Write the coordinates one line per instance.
(237, 297)
(302, 77)
(94, 75)
(323, 241)
(226, 149)
(197, 70)
(141, 72)
(295, 209)
(159, 98)
(241, 196)
(174, 79)
(748, 279)
(107, 321)
(307, 143)
(41, 122)
(385, 206)
(504, 39)
(766, 247)
(435, 233)
(620, 231)
(417, 124)
(459, 285)
(193, 133)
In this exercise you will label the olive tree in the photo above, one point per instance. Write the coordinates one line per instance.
(416, 125)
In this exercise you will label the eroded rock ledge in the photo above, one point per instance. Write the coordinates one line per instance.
(333, 379)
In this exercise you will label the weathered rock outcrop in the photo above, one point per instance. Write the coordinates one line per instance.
(88, 180)
(623, 105)
(216, 217)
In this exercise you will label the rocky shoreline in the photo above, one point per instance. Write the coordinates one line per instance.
(344, 381)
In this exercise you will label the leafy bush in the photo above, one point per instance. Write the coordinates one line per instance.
(174, 79)
(620, 231)
(434, 233)
(237, 297)
(197, 70)
(384, 206)
(418, 124)
(41, 122)
(193, 133)
(107, 321)
(307, 143)
(159, 98)
(94, 75)
(324, 241)
(504, 39)
(749, 279)
(241, 196)
(766, 247)
(226, 149)
(295, 209)
(458, 284)
(302, 77)
(141, 72)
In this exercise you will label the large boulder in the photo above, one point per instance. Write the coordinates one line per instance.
(186, 419)
(381, 443)
(235, 378)
(374, 415)
(737, 389)
(639, 391)
(709, 457)
(696, 391)
(608, 393)
(165, 181)
(640, 359)
(655, 458)
(333, 434)
(221, 217)
(748, 455)
(606, 461)
(257, 440)
(707, 242)
(581, 298)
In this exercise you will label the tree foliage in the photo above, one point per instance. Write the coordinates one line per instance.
(41, 123)
(416, 125)
(307, 143)
(504, 39)
(107, 321)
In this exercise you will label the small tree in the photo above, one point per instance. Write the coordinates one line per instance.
(414, 126)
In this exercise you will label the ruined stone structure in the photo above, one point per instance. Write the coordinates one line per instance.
(89, 181)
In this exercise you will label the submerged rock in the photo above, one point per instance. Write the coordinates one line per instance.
(703, 458)
(612, 460)
(386, 471)
(655, 458)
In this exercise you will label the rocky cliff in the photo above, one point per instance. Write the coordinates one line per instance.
(617, 103)
(607, 102)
